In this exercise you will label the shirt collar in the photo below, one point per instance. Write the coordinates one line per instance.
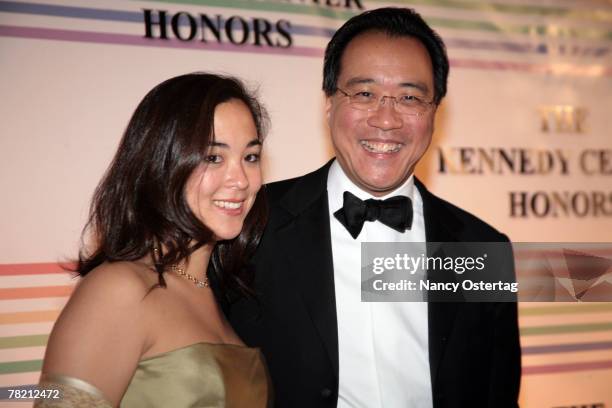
(338, 182)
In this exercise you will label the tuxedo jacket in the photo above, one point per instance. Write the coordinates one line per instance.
(474, 348)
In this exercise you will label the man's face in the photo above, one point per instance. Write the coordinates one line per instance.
(378, 150)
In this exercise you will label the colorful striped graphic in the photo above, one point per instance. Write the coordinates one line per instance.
(127, 39)
(27, 314)
(549, 332)
(583, 38)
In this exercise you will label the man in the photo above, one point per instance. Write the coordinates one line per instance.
(385, 73)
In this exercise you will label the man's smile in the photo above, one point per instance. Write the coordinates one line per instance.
(379, 147)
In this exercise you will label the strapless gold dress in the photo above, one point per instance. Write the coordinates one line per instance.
(201, 375)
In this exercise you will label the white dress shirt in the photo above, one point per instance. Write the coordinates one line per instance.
(382, 346)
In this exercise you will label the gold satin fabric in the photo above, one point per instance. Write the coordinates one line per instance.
(201, 375)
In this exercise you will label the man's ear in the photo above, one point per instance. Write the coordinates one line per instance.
(328, 107)
(433, 118)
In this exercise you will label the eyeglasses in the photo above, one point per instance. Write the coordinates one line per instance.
(370, 101)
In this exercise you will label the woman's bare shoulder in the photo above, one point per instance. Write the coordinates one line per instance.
(100, 335)
(122, 282)
(109, 297)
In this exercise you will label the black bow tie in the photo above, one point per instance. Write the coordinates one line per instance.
(394, 212)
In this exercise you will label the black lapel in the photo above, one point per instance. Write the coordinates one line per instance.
(306, 242)
(440, 226)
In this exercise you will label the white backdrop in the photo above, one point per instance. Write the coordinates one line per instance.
(72, 72)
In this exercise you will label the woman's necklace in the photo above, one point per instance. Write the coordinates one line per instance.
(181, 271)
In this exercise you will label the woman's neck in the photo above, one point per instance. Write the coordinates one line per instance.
(198, 261)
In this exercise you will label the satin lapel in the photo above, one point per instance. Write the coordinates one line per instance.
(439, 227)
(306, 243)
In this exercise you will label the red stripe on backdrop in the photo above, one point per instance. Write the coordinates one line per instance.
(35, 268)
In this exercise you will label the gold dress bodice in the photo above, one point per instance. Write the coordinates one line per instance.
(201, 375)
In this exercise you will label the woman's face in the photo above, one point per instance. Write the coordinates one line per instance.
(221, 191)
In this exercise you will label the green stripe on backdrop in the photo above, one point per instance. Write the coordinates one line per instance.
(24, 341)
(596, 15)
(16, 367)
(569, 328)
(566, 309)
(557, 32)
(279, 7)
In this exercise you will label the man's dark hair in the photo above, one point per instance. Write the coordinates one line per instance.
(139, 208)
(395, 22)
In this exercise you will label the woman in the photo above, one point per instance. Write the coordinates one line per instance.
(143, 327)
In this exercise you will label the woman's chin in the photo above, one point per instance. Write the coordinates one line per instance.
(225, 235)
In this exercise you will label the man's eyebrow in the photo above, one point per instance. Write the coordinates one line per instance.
(359, 81)
(418, 85)
(421, 86)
